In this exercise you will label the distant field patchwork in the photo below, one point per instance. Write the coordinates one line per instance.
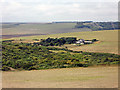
(39, 28)
(108, 40)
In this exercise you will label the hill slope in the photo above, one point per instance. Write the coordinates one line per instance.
(108, 40)
(95, 26)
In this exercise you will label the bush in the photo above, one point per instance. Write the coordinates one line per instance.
(22, 56)
(5, 68)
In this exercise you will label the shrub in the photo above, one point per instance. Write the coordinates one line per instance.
(5, 68)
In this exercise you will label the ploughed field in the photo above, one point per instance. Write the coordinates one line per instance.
(90, 77)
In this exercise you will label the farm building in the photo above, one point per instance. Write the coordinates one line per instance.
(88, 42)
(82, 41)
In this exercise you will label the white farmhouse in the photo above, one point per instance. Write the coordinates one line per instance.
(80, 41)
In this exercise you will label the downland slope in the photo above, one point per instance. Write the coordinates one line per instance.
(91, 77)
(38, 28)
(108, 40)
(52, 28)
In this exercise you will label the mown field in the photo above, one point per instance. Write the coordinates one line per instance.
(91, 77)
(108, 40)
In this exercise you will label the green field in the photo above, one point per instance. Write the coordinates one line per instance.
(91, 77)
(108, 40)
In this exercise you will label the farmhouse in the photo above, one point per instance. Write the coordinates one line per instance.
(82, 41)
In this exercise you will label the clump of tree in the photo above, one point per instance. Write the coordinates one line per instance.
(57, 41)
(30, 57)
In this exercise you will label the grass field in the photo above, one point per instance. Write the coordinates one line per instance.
(108, 40)
(92, 77)
(39, 28)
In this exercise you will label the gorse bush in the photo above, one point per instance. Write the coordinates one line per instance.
(31, 57)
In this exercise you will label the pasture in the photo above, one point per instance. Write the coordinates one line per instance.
(108, 40)
(91, 77)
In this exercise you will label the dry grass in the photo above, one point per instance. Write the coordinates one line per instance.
(92, 77)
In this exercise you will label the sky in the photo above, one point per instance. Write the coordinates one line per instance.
(58, 10)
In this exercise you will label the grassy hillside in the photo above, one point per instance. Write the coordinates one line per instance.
(39, 28)
(52, 28)
(95, 26)
(92, 77)
(108, 40)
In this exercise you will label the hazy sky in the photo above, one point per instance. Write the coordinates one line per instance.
(58, 10)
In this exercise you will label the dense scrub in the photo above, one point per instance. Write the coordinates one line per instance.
(29, 57)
